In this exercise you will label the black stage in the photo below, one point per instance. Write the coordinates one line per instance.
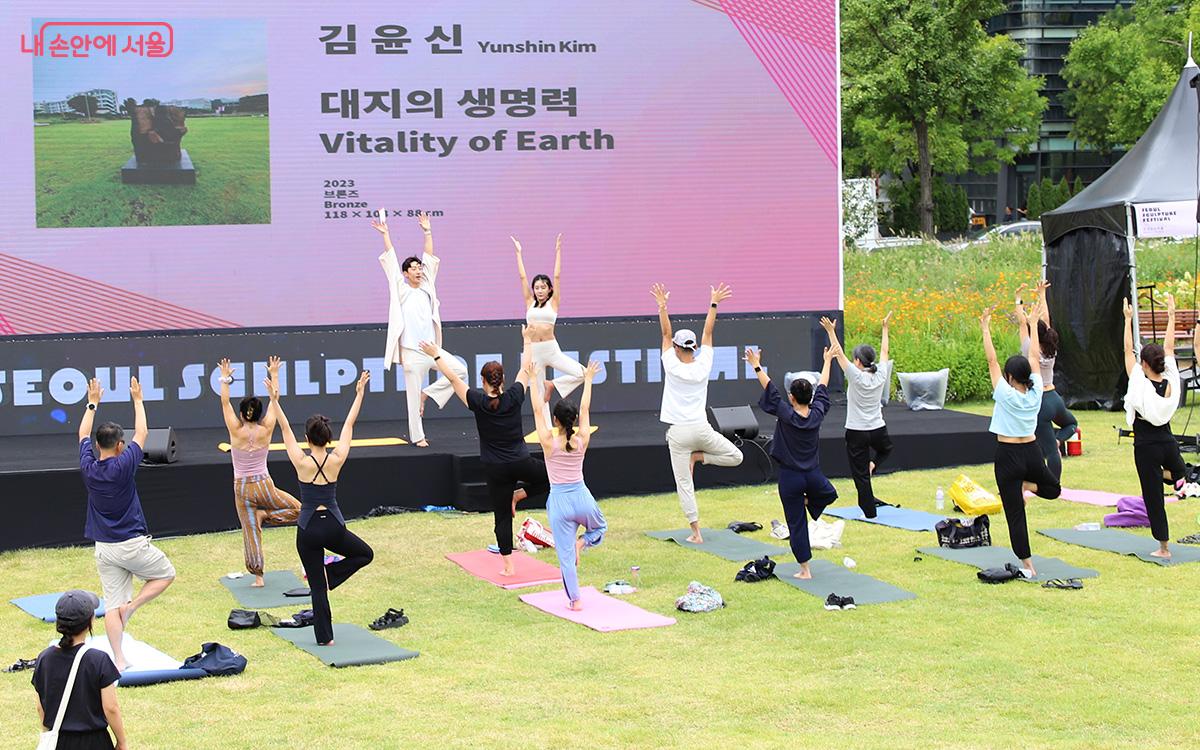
(45, 499)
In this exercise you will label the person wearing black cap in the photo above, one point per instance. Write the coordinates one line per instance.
(91, 707)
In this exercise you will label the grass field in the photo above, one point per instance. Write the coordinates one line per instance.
(964, 665)
(78, 176)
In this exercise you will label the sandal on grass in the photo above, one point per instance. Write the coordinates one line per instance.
(1059, 583)
(391, 619)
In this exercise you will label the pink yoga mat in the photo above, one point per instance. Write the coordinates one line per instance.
(600, 612)
(1096, 497)
(487, 565)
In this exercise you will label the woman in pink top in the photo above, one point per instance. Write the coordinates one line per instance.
(570, 504)
(255, 496)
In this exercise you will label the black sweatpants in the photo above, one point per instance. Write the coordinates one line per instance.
(801, 491)
(325, 532)
(859, 445)
(1054, 412)
(1017, 463)
(1151, 459)
(501, 481)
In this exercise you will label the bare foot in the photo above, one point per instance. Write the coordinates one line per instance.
(422, 443)
(804, 574)
(1029, 486)
(519, 494)
(124, 612)
(871, 468)
(508, 573)
(1029, 571)
(575, 606)
(578, 550)
(423, 397)
(549, 389)
(696, 538)
(258, 582)
(1164, 554)
(697, 457)
(330, 643)
(122, 665)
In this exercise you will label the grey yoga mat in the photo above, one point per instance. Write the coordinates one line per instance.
(352, 646)
(271, 594)
(722, 543)
(995, 557)
(1125, 543)
(831, 578)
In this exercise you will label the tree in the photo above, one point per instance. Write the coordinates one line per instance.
(84, 105)
(1076, 186)
(150, 102)
(1120, 72)
(925, 86)
(1033, 202)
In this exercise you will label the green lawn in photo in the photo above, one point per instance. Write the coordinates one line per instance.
(78, 176)
(964, 665)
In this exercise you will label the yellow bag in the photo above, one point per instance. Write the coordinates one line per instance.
(973, 499)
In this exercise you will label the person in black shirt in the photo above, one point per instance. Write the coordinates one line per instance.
(502, 447)
(92, 706)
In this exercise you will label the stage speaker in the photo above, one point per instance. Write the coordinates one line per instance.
(734, 422)
(161, 447)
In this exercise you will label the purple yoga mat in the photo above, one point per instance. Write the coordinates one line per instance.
(600, 612)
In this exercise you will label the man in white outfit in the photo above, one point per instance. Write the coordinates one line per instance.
(687, 367)
(413, 317)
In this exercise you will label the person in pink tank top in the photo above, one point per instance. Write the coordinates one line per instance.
(570, 504)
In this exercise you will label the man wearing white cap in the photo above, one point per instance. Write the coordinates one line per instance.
(687, 366)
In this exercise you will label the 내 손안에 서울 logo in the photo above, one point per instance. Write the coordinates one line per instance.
(85, 39)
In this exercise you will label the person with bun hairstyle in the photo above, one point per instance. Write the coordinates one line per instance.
(796, 447)
(321, 525)
(1150, 402)
(866, 432)
(1019, 466)
(1054, 410)
(91, 708)
(570, 504)
(255, 497)
(502, 449)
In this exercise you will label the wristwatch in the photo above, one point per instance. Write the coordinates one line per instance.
(91, 406)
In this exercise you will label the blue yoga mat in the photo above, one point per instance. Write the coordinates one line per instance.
(156, 676)
(886, 515)
(41, 606)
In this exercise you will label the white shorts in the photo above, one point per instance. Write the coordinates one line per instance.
(119, 562)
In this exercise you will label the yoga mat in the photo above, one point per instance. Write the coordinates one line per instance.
(996, 557)
(529, 570)
(722, 543)
(41, 606)
(886, 515)
(1123, 542)
(352, 646)
(147, 665)
(831, 578)
(1095, 497)
(600, 612)
(270, 595)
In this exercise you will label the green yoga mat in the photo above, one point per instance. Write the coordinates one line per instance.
(352, 646)
(271, 594)
(1125, 543)
(722, 543)
(1048, 568)
(831, 578)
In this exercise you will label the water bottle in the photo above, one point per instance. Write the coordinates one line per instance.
(635, 575)
(939, 500)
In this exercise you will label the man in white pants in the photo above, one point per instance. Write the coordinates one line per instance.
(691, 439)
(413, 317)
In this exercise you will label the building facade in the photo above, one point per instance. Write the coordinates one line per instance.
(106, 103)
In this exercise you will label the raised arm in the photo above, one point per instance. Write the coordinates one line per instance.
(380, 225)
(268, 420)
(294, 451)
(1169, 341)
(830, 352)
(230, 416)
(585, 402)
(1035, 346)
(528, 296)
(1022, 318)
(343, 447)
(140, 428)
(831, 332)
(544, 431)
(557, 298)
(719, 294)
(989, 350)
(661, 295)
(1043, 308)
(753, 358)
(423, 222)
(432, 350)
(1130, 357)
(883, 342)
(93, 399)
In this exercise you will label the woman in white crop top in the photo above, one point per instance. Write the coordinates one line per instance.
(541, 312)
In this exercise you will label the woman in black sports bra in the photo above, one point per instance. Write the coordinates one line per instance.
(321, 525)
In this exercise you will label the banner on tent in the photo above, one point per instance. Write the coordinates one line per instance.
(1166, 219)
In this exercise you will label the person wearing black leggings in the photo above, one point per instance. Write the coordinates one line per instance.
(1055, 423)
(1150, 402)
(1017, 391)
(321, 525)
(502, 449)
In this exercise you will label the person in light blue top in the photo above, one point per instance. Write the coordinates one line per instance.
(1017, 391)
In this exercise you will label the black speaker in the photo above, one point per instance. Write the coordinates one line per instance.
(734, 422)
(161, 447)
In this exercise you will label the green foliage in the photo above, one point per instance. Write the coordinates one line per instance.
(951, 208)
(1033, 202)
(84, 105)
(1077, 186)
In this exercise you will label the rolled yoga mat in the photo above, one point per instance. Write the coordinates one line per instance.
(831, 578)
(886, 515)
(528, 570)
(995, 557)
(352, 646)
(722, 543)
(1125, 543)
(41, 606)
(147, 665)
(271, 595)
(600, 611)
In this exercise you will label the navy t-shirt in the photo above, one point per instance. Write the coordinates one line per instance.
(797, 439)
(114, 512)
(501, 432)
(85, 710)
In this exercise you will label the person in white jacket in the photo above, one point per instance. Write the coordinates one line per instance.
(414, 316)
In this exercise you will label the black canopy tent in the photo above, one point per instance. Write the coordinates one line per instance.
(1088, 247)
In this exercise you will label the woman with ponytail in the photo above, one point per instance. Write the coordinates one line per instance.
(1150, 402)
(570, 504)
(502, 449)
(866, 432)
(1053, 411)
(91, 707)
(1017, 391)
(257, 501)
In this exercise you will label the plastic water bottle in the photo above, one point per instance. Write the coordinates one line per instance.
(939, 500)
(438, 508)
(635, 575)
(849, 562)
